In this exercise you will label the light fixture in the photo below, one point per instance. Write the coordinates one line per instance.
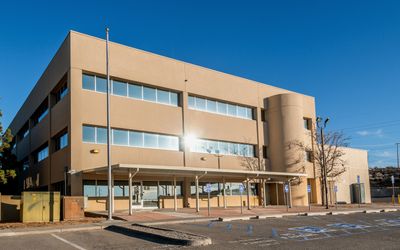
(94, 151)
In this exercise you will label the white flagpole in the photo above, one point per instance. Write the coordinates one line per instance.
(110, 205)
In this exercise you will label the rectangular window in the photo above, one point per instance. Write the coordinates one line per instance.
(88, 82)
(119, 88)
(101, 135)
(242, 112)
(211, 106)
(222, 108)
(150, 140)
(223, 148)
(62, 92)
(94, 134)
(232, 110)
(309, 156)
(265, 152)
(120, 137)
(42, 154)
(263, 115)
(101, 84)
(174, 99)
(135, 139)
(149, 94)
(307, 123)
(89, 134)
(192, 102)
(135, 91)
(219, 107)
(62, 141)
(42, 115)
(162, 96)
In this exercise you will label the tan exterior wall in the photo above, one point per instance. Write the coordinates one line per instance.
(356, 164)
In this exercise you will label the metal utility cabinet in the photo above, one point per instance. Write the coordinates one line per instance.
(40, 207)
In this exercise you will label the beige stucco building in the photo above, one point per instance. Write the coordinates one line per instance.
(175, 126)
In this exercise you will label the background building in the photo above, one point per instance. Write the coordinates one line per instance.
(175, 126)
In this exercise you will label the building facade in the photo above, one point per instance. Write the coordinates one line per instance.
(178, 131)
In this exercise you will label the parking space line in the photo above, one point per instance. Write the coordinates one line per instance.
(68, 242)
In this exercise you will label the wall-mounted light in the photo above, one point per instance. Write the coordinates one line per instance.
(203, 158)
(94, 151)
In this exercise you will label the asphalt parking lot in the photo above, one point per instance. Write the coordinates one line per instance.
(355, 231)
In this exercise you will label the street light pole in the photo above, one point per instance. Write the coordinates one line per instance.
(325, 175)
(108, 133)
(398, 164)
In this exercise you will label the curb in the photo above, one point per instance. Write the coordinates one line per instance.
(226, 219)
(157, 223)
(162, 234)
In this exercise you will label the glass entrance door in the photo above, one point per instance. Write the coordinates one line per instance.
(137, 201)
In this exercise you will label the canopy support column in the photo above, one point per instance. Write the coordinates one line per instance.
(248, 193)
(224, 192)
(197, 194)
(130, 191)
(175, 202)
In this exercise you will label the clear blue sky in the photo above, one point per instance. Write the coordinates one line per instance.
(345, 53)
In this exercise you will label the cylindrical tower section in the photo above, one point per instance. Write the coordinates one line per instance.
(285, 130)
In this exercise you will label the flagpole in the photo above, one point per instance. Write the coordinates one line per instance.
(110, 205)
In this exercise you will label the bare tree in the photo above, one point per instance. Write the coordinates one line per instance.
(329, 148)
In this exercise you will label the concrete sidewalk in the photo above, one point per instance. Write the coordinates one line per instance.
(169, 216)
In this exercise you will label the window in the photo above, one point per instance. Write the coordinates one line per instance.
(120, 137)
(265, 152)
(41, 112)
(211, 106)
(309, 156)
(307, 123)
(62, 92)
(162, 96)
(150, 140)
(25, 164)
(263, 115)
(42, 154)
(149, 94)
(62, 141)
(101, 135)
(89, 134)
(222, 108)
(101, 84)
(88, 82)
(135, 139)
(192, 102)
(119, 88)
(135, 91)
(219, 107)
(24, 132)
(92, 134)
(232, 111)
(223, 148)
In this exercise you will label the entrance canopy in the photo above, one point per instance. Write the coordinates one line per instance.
(180, 171)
